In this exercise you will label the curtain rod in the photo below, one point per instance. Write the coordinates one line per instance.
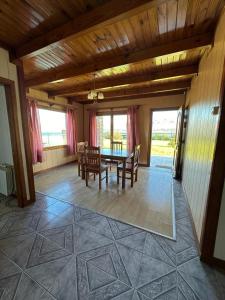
(51, 102)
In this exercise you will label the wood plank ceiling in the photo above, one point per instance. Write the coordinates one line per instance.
(135, 49)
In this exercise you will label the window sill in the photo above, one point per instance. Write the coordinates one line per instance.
(54, 147)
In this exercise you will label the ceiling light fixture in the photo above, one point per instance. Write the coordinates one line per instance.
(95, 95)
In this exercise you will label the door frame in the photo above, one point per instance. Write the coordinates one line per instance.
(11, 103)
(216, 185)
(152, 110)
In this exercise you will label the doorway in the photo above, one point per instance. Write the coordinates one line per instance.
(163, 138)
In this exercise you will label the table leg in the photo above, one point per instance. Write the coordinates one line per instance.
(124, 174)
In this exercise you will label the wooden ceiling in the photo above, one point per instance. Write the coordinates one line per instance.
(135, 47)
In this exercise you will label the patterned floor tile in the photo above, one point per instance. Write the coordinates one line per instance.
(63, 236)
(152, 269)
(8, 286)
(121, 230)
(113, 266)
(101, 286)
(135, 241)
(201, 279)
(54, 250)
(160, 286)
(15, 223)
(153, 249)
(7, 268)
(18, 248)
(98, 224)
(45, 250)
(51, 220)
(28, 289)
(58, 277)
(83, 214)
(85, 240)
(132, 262)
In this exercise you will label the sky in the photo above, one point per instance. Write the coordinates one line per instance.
(52, 121)
(164, 120)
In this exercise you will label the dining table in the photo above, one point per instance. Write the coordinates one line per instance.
(114, 154)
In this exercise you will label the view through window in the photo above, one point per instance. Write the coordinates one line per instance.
(111, 128)
(53, 127)
(163, 137)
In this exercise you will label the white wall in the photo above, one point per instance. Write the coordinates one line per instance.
(5, 139)
(219, 251)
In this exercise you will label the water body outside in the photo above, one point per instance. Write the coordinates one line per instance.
(163, 138)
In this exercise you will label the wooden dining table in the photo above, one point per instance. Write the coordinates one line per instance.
(121, 155)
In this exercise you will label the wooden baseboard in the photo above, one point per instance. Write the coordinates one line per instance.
(55, 167)
(143, 165)
(214, 262)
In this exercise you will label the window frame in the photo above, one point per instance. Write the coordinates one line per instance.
(48, 148)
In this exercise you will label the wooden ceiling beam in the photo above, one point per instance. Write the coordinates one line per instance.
(103, 15)
(170, 86)
(115, 61)
(134, 97)
(112, 82)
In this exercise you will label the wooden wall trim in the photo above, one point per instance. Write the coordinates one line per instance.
(25, 126)
(10, 93)
(216, 185)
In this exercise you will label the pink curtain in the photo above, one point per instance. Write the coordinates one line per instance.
(92, 128)
(35, 133)
(71, 130)
(133, 137)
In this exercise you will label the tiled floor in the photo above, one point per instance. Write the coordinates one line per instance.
(54, 250)
(148, 205)
(161, 161)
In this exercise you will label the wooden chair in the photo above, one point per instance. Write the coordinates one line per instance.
(93, 164)
(80, 151)
(131, 166)
(118, 146)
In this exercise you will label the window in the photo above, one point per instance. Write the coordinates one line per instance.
(111, 127)
(53, 127)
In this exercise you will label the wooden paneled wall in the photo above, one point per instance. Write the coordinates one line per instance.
(205, 93)
(54, 158)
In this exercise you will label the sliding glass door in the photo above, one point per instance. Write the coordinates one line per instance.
(111, 127)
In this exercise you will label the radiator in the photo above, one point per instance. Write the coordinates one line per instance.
(7, 186)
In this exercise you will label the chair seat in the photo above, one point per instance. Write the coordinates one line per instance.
(128, 166)
(96, 170)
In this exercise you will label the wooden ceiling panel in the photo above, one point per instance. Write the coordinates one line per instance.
(116, 49)
(23, 20)
(169, 21)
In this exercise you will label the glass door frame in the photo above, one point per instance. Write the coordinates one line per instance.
(111, 113)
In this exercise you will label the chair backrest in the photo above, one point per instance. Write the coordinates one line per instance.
(116, 145)
(92, 158)
(81, 146)
(135, 158)
(92, 149)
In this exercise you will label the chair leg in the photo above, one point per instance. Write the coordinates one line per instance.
(78, 169)
(107, 176)
(132, 179)
(110, 167)
(94, 176)
(118, 178)
(100, 180)
(87, 177)
(136, 175)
